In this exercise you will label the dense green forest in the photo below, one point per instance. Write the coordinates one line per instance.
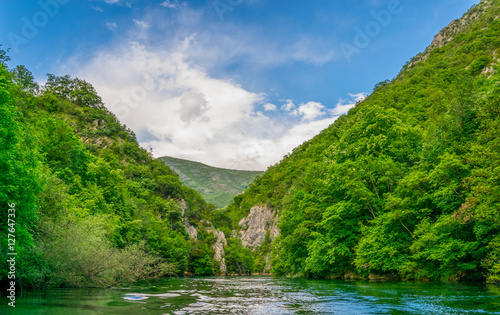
(217, 185)
(91, 207)
(407, 184)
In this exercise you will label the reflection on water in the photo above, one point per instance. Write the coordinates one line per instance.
(264, 295)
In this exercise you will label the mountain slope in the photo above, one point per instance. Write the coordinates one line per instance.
(217, 185)
(407, 184)
(87, 206)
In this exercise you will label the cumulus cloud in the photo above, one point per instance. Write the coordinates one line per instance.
(159, 93)
(179, 110)
(303, 132)
(164, 92)
(344, 105)
(308, 111)
(193, 105)
(358, 97)
(269, 107)
(311, 110)
(289, 107)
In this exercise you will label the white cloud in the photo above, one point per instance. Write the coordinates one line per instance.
(221, 44)
(257, 48)
(289, 107)
(160, 94)
(111, 26)
(164, 92)
(193, 106)
(303, 132)
(311, 110)
(141, 24)
(178, 110)
(358, 97)
(269, 107)
(117, 2)
(256, 45)
(344, 105)
(173, 4)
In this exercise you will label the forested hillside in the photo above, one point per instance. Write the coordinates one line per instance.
(91, 208)
(217, 185)
(407, 184)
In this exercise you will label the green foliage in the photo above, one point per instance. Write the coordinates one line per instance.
(25, 80)
(406, 185)
(79, 253)
(239, 259)
(201, 256)
(74, 90)
(217, 185)
(4, 57)
(20, 176)
(92, 207)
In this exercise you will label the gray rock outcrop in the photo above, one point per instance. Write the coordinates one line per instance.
(218, 247)
(191, 230)
(256, 225)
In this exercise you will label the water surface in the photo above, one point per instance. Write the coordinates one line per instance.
(264, 295)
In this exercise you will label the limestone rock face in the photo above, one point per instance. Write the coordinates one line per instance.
(191, 230)
(255, 226)
(219, 248)
(448, 33)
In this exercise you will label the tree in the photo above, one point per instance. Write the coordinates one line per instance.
(74, 90)
(25, 80)
(20, 176)
(4, 57)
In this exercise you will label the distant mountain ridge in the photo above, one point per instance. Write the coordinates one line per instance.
(217, 185)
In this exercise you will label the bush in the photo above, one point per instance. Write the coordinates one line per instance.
(79, 254)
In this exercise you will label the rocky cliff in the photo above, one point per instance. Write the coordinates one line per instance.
(256, 225)
(191, 230)
(218, 246)
(448, 33)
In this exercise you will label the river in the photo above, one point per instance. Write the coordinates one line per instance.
(263, 295)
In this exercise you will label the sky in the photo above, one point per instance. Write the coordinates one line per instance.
(229, 83)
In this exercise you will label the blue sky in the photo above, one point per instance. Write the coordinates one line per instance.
(231, 83)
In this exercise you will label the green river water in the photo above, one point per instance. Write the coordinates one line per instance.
(263, 295)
